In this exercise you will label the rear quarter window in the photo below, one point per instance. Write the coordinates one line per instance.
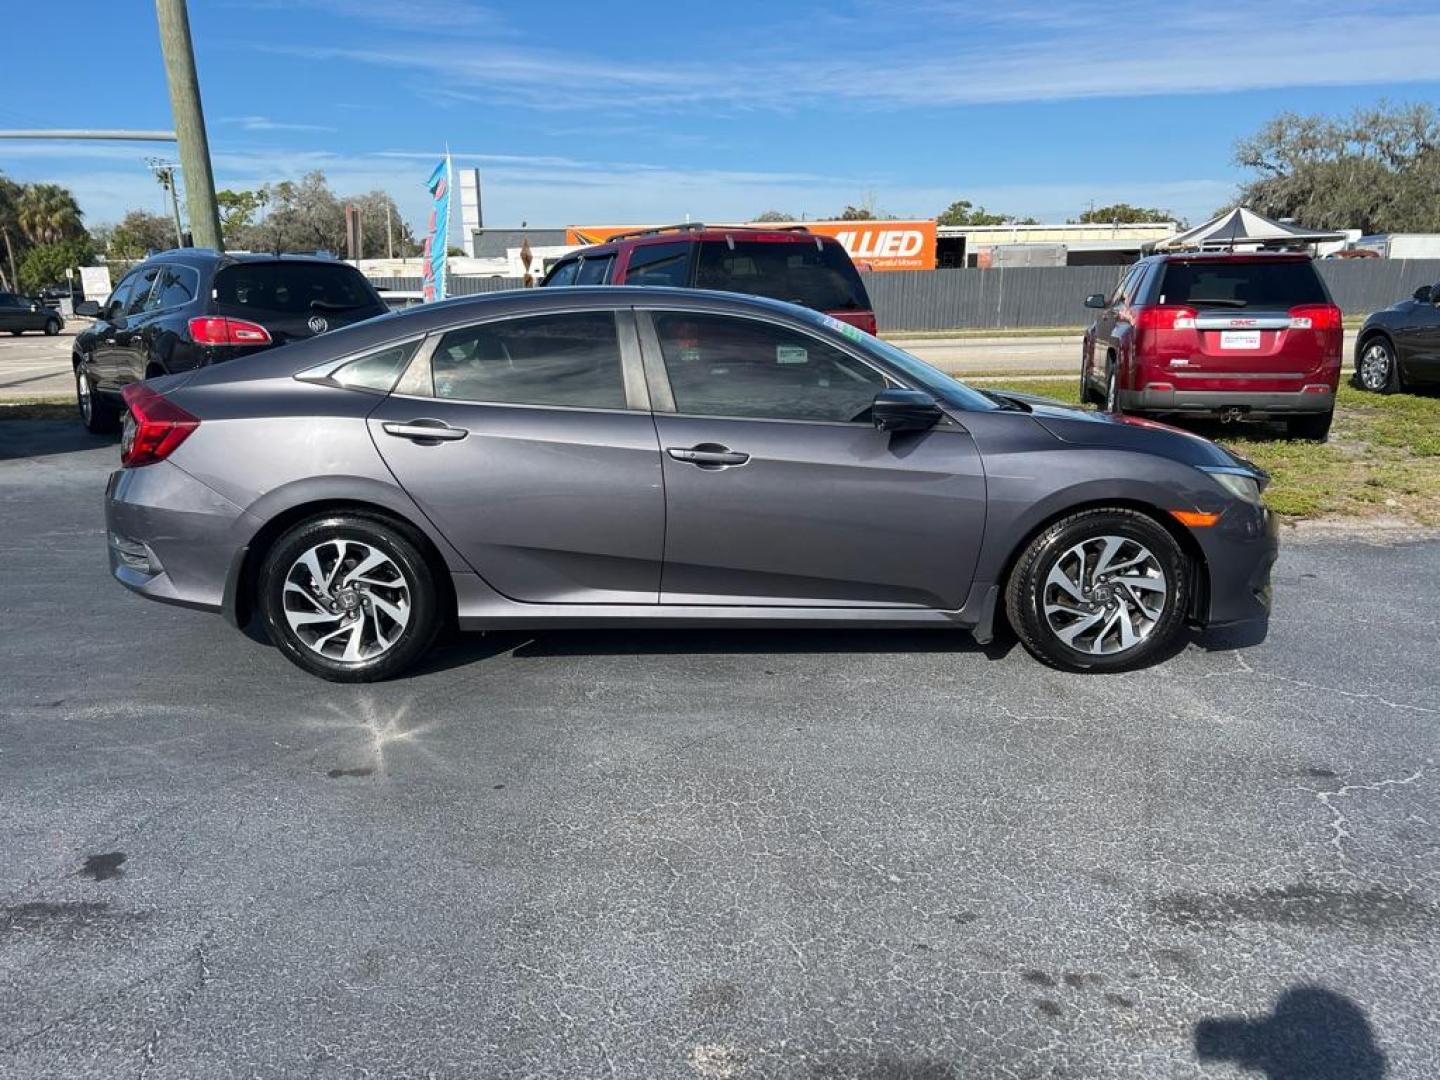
(1236, 285)
(294, 288)
(800, 272)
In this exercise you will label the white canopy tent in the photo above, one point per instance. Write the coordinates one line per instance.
(1243, 228)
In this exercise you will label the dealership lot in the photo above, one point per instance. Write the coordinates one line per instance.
(707, 854)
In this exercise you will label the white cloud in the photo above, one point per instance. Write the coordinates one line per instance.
(264, 123)
(930, 55)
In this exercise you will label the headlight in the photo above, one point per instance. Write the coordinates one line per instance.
(1241, 483)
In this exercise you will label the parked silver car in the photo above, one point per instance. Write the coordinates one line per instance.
(642, 457)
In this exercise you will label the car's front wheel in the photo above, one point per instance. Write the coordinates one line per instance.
(1100, 590)
(1377, 370)
(52, 327)
(349, 598)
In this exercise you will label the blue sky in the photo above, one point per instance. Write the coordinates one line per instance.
(636, 112)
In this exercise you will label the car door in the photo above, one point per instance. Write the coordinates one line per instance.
(529, 444)
(129, 333)
(779, 491)
(11, 313)
(103, 363)
(1423, 324)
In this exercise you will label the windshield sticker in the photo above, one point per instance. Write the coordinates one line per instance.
(791, 354)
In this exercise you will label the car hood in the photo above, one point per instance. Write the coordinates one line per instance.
(1086, 427)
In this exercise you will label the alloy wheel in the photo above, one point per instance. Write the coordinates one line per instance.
(347, 600)
(1375, 367)
(1105, 595)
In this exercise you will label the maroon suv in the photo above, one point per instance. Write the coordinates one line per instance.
(788, 263)
(1234, 336)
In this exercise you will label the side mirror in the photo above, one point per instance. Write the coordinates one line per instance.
(1422, 294)
(1096, 300)
(88, 309)
(905, 410)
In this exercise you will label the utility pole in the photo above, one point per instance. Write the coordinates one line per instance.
(165, 173)
(189, 121)
(389, 236)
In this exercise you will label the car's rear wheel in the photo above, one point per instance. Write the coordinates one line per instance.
(1378, 370)
(1314, 426)
(1112, 386)
(1100, 590)
(349, 598)
(99, 416)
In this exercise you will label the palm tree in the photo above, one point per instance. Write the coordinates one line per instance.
(48, 214)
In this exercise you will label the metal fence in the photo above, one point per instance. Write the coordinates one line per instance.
(1028, 296)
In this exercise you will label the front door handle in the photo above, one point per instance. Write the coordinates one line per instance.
(426, 432)
(708, 455)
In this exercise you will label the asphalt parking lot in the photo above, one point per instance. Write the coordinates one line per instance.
(703, 854)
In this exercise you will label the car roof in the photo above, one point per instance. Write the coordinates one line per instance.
(1233, 256)
(703, 233)
(205, 257)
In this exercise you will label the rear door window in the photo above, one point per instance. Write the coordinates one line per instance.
(800, 272)
(660, 264)
(569, 359)
(595, 270)
(294, 288)
(176, 287)
(1236, 285)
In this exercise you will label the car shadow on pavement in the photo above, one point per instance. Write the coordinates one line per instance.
(460, 649)
(1313, 1034)
(49, 438)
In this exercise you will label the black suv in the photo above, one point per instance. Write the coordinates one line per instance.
(20, 313)
(192, 307)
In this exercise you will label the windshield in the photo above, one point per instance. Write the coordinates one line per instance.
(816, 276)
(1272, 284)
(920, 374)
(294, 288)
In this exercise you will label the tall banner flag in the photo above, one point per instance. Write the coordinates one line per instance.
(439, 235)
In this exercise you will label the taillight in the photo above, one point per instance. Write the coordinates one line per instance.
(1315, 317)
(154, 427)
(1165, 317)
(211, 330)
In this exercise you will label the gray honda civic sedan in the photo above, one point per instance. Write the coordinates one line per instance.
(631, 457)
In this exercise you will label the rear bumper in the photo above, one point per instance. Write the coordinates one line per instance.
(1240, 552)
(170, 537)
(1215, 402)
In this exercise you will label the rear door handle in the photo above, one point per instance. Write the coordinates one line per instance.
(425, 431)
(708, 455)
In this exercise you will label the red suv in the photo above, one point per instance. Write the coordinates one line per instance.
(1233, 336)
(789, 263)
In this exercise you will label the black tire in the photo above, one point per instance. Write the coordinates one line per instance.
(52, 327)
(99, 414)
(1379, 373)
(1025, 592)
(1314, 427)
(1088, 396)
(401, 547)
(16, 333)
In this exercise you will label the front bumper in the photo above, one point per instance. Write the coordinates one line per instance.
(1217, 402)
(170, 537)
(1240, 552)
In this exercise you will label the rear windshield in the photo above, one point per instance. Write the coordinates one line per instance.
(1242, 285)
(286, 288)
(821, 277)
